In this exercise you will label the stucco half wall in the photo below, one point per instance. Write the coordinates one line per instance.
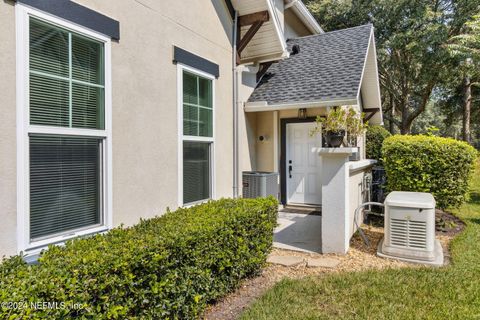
(358, 194)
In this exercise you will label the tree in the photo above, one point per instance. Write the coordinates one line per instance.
(412, 38)
(465, 48)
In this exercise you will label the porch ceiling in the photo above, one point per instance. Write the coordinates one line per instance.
(268, 43)
(330, 69)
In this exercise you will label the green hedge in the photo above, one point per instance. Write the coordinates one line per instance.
(165, 267)
(442, 166)
(375, 136)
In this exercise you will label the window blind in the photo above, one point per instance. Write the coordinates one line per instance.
(66, 88)
(65, 184)
(196, 171)
(197, 106)
(66, 78)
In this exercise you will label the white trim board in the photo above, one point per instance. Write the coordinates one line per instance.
(264, 106)
(24, 244)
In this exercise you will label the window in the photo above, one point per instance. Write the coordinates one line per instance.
(197, 137)
(66, 130)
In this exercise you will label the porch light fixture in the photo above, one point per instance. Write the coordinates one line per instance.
(302, 113)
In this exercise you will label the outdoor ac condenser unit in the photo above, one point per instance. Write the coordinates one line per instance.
(260, 184)
(410, 228)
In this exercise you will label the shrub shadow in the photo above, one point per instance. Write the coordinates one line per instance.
(475, 197)
(475, 220)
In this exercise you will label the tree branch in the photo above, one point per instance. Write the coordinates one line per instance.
(389, 118)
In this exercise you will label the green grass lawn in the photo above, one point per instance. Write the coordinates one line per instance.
(451, 292)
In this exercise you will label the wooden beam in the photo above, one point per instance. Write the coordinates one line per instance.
(238, 59)
(250, 19)
(370, 110)
(248, 36)
(372, 113)
(263, 68)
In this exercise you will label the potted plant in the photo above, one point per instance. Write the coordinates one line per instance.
(356, 126)
(334, 126)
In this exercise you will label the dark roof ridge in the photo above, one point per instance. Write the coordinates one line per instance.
(330, 32)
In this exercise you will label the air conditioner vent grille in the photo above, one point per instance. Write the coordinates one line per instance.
(260, 184)
(408, 233)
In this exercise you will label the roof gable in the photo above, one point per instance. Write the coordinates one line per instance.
(329, 67)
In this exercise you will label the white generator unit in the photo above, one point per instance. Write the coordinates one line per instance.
(410, 229)
(258, 184)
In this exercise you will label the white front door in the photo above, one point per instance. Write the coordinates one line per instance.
(304, 165)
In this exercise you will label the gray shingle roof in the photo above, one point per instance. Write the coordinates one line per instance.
(328, 67)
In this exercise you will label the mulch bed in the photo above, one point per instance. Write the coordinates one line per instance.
(360, 257)
(447, 224)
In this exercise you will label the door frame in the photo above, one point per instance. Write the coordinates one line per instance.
(283, 153)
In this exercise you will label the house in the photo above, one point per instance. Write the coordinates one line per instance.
(116, 110)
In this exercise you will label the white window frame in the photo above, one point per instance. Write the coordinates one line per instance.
(23, 14)
(181, 138)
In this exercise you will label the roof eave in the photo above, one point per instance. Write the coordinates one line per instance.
(259, 106)
(305, 16)
(378, 99)
(280, 50)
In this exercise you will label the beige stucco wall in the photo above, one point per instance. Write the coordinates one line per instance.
(145, 132)
(247, 122)
(357, 196)
(268, 151)
(144, 93)
(265, 149)
(8, 150)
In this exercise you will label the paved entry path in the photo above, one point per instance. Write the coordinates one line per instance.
(298, 232)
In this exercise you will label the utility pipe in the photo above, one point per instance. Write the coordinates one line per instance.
(355, 218)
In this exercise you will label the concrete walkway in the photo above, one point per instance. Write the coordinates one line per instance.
(298, 232)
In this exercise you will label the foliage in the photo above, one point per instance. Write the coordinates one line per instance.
(442, 166)
(342, 119)
(411, 38)
(334, 121)
(356, 126)
(165, 267)
(467, 45)
(464, 81)
(375, 136)
(451, 292)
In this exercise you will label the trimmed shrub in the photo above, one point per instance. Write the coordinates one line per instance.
(441, 166)
(375, 136)
(166, 267)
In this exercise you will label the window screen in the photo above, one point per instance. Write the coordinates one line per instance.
(65, 184)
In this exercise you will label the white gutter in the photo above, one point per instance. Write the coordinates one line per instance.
(235, 108)
(264, 106)
(304, 14)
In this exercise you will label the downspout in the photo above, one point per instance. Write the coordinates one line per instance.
(235, 107)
